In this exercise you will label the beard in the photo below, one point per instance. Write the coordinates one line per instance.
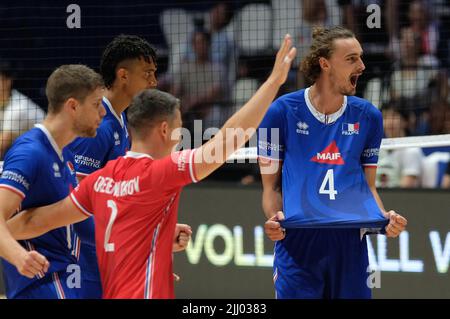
(347, 91)
(83, 130)
(346, 88)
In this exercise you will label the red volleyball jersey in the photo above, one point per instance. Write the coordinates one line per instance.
(134, 200)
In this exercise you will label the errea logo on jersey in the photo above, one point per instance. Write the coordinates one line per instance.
(330, 155)
(56, 171)
(116, 138)
(302, 128)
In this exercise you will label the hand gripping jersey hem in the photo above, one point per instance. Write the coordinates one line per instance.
(79, 206)
(13, 189)
(191, 167)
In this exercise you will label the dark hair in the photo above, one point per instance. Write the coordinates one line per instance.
(124, 47)
(206, 35)
(6, 69)
(322, 46)
(397, 106)
(70, 81)
(149, 107)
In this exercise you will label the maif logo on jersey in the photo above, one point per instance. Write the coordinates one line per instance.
(330, 155)
(350, 128)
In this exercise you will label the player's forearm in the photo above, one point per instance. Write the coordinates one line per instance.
(27, 225)
(272, 202)
(375, 194)
(10, 249)
(246, 120)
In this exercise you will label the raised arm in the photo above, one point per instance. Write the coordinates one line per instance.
(38, 221)
(242, 125)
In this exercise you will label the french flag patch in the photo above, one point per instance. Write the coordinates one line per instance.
(350, 128)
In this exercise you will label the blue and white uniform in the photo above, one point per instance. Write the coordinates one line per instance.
(112, 140)
(326, 198)
(39, 172)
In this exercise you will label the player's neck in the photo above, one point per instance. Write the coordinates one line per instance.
(146, 147)
(324, 99)
(57, 127)
(119, 100)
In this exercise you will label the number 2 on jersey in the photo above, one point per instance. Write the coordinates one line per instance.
(109, 247)
(329, 179)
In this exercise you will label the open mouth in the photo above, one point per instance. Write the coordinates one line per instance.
(354, 80)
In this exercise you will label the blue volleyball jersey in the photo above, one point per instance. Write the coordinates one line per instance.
(323, 180)
(39, 172)
(112, 140)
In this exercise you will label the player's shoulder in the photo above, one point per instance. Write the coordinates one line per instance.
(289, 101)
(31, 142)
(363, 106)
(292, 98)
(27, 151)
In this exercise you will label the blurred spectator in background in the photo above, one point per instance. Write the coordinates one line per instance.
(416, 81)
(423, 27)
(446, 179)
(223, 50)
(315, 14)
(399, 167)
(439, 119)
(18, 113)
(414, 72)
(200, 84)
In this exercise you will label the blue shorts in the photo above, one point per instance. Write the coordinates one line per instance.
(52, 286)
(321, 264)
(90, 289)
(91, 286)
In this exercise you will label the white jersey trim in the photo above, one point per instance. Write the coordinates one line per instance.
(326, 119)
(131, 154)
(82, 174)
(13, 189)
(51, 140)
(191, 166)
(120, 119)
(80, 207)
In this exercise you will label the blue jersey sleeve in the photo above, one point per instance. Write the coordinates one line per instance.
(271, 133)
(369, 156)
(19, 172)
(92, 154)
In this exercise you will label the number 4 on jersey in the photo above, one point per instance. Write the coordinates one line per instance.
(329, 179)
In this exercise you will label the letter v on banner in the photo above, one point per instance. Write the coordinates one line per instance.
(330, 155)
